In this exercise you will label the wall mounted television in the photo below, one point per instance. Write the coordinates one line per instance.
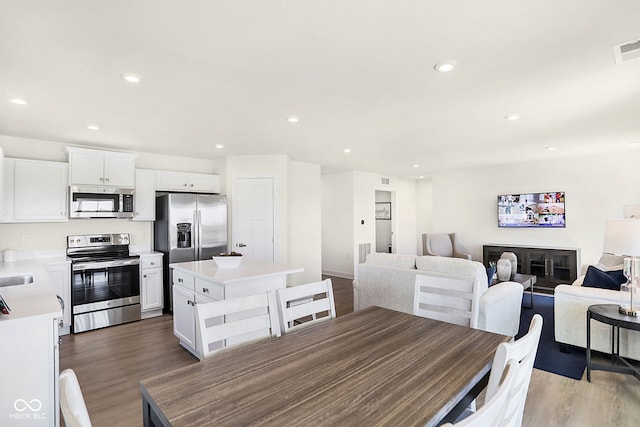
(543, 210)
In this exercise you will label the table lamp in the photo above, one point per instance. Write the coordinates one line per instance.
(622, 237)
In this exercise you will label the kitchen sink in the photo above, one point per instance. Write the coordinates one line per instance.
(22, 279)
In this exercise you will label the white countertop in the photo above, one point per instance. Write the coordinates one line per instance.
(208, 270)
(32, 299)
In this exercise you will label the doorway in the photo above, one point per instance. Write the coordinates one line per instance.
(384, 222)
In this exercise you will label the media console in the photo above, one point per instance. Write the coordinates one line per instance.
(551, 266)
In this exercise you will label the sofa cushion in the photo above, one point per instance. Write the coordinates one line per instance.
(596, 278)
(449, 265)
(609, 262)
(392, 260)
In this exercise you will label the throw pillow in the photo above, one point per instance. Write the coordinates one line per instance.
(603, 279)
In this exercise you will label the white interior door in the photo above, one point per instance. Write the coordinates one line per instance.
(253, 218)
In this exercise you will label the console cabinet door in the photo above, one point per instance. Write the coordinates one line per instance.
(562, 267)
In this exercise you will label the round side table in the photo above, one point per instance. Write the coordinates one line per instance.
(608, 314)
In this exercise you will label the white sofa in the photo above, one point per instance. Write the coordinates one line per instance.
(388, 280)
(570, 313)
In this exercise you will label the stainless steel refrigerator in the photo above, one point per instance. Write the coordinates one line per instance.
(188, 227)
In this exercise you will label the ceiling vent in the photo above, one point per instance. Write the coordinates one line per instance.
(626, 52)
(385, 181)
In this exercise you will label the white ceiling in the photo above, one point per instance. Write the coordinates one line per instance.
(358, 73)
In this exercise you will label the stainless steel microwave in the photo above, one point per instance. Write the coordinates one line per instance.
(100, 202)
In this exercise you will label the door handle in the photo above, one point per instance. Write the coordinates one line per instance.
(241, 245)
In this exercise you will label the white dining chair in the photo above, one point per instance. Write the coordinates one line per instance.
(296, 304)
(523, 351)
(451, 300)
(235, 321)
(74, 410)
(494, 412)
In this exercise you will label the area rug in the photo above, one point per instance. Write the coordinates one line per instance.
(549, 357)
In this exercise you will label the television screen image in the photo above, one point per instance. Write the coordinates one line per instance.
(532, 210)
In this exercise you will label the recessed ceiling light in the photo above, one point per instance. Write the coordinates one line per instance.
(421, 177)
(132, 77)
(550, 148)
(219, 146)
(513, 117)
(347, 150)
(19, 101)
(416, 166)
(293, 119)
(445, 67)
(93, 127)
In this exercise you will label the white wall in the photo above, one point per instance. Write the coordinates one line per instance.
(345, 228)
(424, 210)
(337, 224)
(50, 236)
(597, 188)
(305, 225)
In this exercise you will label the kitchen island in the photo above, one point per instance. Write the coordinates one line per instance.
(198, 282)
(29, 355)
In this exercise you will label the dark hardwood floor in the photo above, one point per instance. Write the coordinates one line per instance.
(111, 362)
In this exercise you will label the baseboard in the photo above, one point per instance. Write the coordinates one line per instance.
(337, 274)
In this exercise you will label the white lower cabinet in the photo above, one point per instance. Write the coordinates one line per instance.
(29, 369)
(151, 296)
(187, 292)
(60, 277)
(184, 326)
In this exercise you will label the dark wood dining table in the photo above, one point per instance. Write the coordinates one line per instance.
(371, 367)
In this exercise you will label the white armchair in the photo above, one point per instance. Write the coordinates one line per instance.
(442, 244)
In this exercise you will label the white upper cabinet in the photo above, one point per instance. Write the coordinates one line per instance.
(144, 203)
(40, 191)
(1, 177)
(6, 206)
(96, 167)
(191, 182)
(34, 191)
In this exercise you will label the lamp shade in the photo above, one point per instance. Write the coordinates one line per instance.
(622, 237)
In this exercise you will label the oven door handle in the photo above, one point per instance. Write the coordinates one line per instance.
(104, 264)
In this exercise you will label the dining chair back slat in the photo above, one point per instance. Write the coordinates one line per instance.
(452, 300)
(300, 305)
(235, 321)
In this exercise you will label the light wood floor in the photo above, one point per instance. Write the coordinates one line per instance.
(111, 362)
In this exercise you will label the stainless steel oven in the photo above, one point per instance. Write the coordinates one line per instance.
(105, 281)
